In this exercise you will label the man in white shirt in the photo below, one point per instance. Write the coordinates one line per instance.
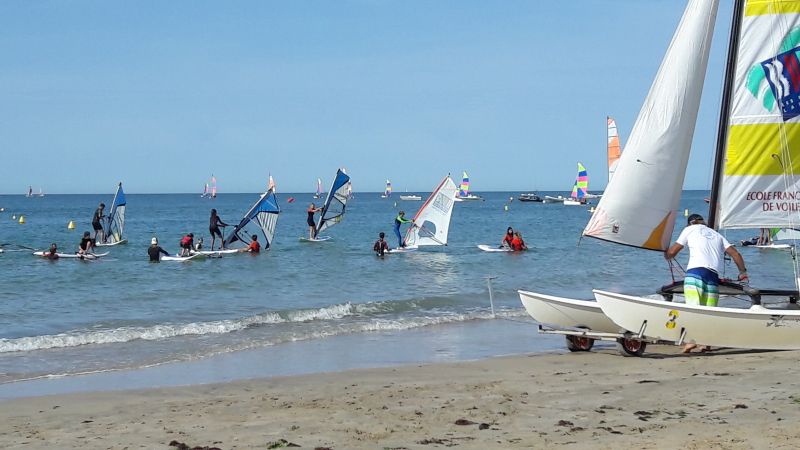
(707, 250)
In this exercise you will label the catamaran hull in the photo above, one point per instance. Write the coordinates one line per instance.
(754, 328)
(566, 312)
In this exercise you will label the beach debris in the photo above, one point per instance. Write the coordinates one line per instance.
(647, 381)
(740, 406)
(182, 446)
(323, 448)
(281, 443)
(428, 441)
(643, 415)
(483, 426)
(565, 423)
(464, 422)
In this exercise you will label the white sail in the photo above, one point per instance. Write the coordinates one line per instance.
(262, 216)
(432, 222)
(639, 205)
(762, 154)
(335, 203)
(613, 148)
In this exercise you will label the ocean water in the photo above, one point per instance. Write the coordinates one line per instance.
(68, 317)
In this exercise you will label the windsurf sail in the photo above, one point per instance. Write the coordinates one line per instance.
(205, 191)
(261, 217)
(213, 186)
(388, 192)
(614, 149)
(271, 184)
(432, 222)
(581, 186)
(463, 190)
(318, 194)
(335, 203)
(116, 217)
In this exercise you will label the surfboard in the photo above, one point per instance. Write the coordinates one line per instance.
(89, 256)
(111, 244)
(184, 258)
(406, 249)
(217, 252)
(493, 249)
(317, 239)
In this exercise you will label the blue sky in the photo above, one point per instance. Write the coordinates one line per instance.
(160, 95)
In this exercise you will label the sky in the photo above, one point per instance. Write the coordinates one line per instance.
(161, 95)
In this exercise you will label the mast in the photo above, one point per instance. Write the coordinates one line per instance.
(724, 111)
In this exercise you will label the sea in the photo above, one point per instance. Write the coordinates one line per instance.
(123, 322)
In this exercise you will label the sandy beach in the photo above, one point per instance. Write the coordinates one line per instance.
(723, 399)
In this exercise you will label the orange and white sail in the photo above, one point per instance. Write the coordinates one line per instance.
(614, 149)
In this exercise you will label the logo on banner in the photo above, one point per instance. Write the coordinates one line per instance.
(783, 76)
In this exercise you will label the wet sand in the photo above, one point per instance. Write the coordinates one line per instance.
(723, 399)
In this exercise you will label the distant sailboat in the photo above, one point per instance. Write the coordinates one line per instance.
(213, 186)
(614, 149)
(115, 224)
(30, 192)
(388, 191)
(205, 192)
(334, 207)
(463, 191)
(271, 184)
(579, 189)
(318, 193)
(41, 193)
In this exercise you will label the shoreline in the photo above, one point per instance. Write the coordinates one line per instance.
(726, 399)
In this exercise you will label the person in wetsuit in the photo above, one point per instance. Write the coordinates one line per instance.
(312, 226)
(398, 221)
(155, 251)
(213, 227)
(86, 245)
(97, 223)
(381, 247)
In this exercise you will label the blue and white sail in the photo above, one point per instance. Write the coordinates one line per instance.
(261, 218)
(335, 202)
(115, 224)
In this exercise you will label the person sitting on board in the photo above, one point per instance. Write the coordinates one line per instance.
(97, 223)
(199, 244)
(381, 247)
(517, 244)
(187, 244)
(312, 226)
(52, 253)
(707, 250)
(213, 227)
(398, 221)
(507, 238)
(764, 238)
(87, 244)
(254, 246)
(155, 251)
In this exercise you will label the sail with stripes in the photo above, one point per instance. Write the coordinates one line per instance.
(463, 190)
(335, 202)
(116, 218)
(213, 186)
(388, 192)
(614, 149)
(432, 222)
(261, 218)
(581, 186)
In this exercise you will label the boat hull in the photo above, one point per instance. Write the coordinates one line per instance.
(567, 313)
(754, 328)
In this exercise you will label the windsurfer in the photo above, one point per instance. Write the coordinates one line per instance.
(97, 223)
(213, 227)
(312, 226)
(155, 251)
(381, 247)
(707, 250)
(398, 221)
(254, 246)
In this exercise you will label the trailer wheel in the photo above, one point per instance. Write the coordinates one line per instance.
(631, 347)
(579, 343)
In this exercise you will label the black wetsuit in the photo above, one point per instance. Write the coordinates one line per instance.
(96, 219)
(85, 243)
(310, 220)
(155, 251)
(213, 226)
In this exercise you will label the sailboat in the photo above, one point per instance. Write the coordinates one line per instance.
(41, 193)
(205, 192)
(261, 217)
(318, 193)
(463, 193)
(30, 192)
(579, 189)
(213, 186)
(388, 191)
(614, 149)
(753, 184)
(115, 222)
(432, 221)
(334, 208)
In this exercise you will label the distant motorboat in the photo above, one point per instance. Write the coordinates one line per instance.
(530, 197)
(410, 197)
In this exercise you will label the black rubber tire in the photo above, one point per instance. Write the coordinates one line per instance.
(579, 343)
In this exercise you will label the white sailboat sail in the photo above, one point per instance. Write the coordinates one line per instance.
(335, 203)
(639, 205)
(262, 216)
(614, 149)
(115, 226)
(762, 151)
(432, 222)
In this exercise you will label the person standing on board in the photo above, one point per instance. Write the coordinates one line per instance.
(97, 223)
(398, 221)
(381, 247)
(155, 251)
(707, 250)
(213, 227)
(312, 226)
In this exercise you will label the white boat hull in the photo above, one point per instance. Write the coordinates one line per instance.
(567, 313)
(754, 328)
(570, 202)
(111, 244)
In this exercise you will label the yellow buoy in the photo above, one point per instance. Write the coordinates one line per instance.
(21, 219)
(686, 212)
(71, 225)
